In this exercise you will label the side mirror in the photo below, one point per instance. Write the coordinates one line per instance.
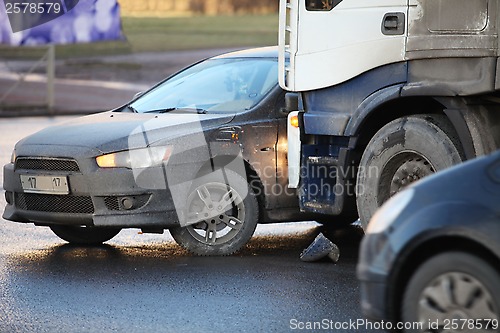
(139, 94)
(291, 103)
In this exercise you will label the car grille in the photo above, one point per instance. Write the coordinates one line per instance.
(49, 164)
(112, 203)
(54, 203)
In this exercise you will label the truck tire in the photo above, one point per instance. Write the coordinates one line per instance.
(400, 153)
(231, 211)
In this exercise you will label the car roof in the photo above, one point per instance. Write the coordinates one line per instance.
(261, 52)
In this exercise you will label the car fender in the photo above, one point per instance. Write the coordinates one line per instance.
(435, 224)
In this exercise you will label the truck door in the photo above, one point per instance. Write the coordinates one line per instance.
(332, 41)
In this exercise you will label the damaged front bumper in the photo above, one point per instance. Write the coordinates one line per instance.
(97, 197)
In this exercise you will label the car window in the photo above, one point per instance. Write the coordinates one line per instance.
(215, 85)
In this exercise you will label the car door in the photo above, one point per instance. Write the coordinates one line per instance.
(259, 143)
(268, 137)
(261, 136)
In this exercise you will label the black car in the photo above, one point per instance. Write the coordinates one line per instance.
(430, 259)
(202, 153)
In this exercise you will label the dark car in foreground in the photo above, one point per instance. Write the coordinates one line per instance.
(202, 153)
(430, 259)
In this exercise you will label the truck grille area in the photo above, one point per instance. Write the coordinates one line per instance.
(49, 164)
(54, 203)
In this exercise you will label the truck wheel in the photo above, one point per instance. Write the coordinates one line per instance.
(402, 152)
(84, 235)
(451, 288)
(226, 212)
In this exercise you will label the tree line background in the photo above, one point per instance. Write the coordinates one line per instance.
(207, 7)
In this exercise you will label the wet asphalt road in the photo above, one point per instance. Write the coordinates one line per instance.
(146, 283)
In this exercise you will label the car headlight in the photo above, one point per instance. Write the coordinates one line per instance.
(135, 158)
(389, 211)
(13, 157)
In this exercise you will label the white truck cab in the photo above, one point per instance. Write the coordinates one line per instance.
(334, 41)
(392, 91)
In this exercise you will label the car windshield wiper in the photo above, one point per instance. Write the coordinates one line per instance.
(197, 110)
(132, 108)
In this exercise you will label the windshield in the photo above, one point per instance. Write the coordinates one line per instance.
(215, 85)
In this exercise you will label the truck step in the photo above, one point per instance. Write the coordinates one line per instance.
(322, 160)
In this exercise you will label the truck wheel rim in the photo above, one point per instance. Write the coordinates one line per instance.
(400, 171)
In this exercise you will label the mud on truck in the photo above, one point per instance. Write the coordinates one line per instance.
(391, 91)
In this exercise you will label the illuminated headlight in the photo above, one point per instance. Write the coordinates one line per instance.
(136, 158)
(389, 211)
(13, 157)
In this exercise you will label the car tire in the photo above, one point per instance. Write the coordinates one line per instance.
(221, 230)
(84, 235)
(403, 151)
(452, 285)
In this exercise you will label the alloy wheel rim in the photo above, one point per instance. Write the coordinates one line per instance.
(216, 213)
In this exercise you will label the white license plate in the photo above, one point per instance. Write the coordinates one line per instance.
(45, 184)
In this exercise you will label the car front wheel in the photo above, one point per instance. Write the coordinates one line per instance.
(223, 213)
(84, 235)
(453, 292)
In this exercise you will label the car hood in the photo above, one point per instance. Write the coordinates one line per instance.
(114, 131)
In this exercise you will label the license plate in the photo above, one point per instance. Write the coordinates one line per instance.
(45, 184)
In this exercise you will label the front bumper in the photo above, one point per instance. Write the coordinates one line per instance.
(373, 298)
(375, 260)
(96, 198)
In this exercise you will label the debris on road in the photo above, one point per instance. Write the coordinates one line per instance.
(320, 248)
